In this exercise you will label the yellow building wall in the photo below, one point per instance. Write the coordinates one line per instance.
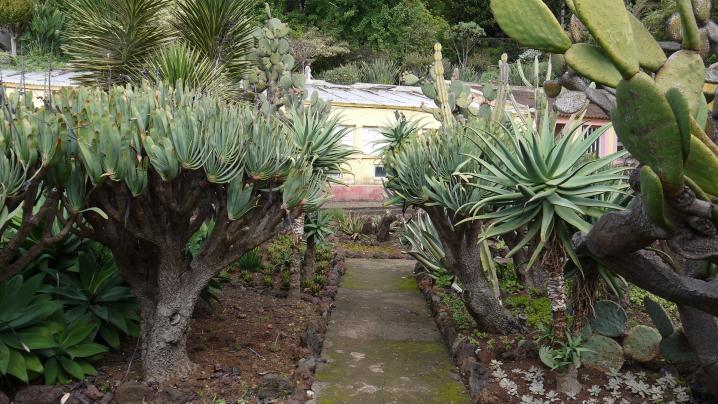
(362, 119)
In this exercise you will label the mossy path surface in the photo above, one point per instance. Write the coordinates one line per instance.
(382, 345)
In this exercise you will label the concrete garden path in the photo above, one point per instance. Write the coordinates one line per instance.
(382, 345)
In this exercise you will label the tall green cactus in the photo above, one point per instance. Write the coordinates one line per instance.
(273, 63)
(650, 117)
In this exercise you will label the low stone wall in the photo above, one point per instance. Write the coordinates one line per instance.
(313, 336)
(464, 354)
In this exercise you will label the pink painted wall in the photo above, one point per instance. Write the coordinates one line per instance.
(357, 193)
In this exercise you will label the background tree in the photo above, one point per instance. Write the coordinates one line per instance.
(14, 15)
(312, 45)
(464, 38)
(115, 42)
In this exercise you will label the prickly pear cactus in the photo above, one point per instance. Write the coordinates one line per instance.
(454, 101)
(273, 63)
(610, 319)
(603, 354)
(676, 349)
(656, 97)
(641, 343)
(659, 316)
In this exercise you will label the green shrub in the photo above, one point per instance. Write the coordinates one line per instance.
(459, 312)
(247, 278)
(28, 319)
(93, 290)
(268, 281)
(469, 75)
(44, 32)
(345, 74)
(251, 261)
(379, 71)
(279, 252)
(536, 309)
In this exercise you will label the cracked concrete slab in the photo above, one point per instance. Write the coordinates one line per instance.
(382, 345)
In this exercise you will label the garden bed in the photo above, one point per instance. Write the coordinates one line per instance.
(507, 369)
(246, 348)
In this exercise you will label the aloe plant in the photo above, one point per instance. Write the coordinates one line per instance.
(535, 179)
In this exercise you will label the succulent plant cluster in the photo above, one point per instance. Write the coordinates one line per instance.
(661, 111)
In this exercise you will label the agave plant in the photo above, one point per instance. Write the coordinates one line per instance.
(73, 350)
(97, 294)
(27, 323)
(317, 227)
(537, 181)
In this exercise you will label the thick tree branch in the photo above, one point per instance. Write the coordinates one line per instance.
(648, 270)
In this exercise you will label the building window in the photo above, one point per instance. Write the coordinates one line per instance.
(348, 139)
(595, 147)
(379, 172)
(369, 139)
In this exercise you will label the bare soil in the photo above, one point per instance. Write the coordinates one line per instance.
(247, 336)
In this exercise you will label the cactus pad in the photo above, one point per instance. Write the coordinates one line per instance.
(681, 110)
(653, 198)
(701, 166)
(603, 354)
(691, 34)
(647, 127)
(591, 62)
(684, 70)
(676, 349)
(608, 22)
(650, 55)
(659, 316)
(610, 319)
(641, 343)
(531, 23)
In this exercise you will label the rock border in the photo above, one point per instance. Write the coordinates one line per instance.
(302, 377)
(464, 354)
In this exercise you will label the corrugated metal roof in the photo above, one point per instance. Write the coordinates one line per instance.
(60, 78)
(370, 94)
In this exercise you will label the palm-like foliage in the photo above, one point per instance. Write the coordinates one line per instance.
(318, 226)
(538, 181)
(425, 244)
(220, 30)
(396, 133)
(319, 138)
(180, 64)
(110, 40)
